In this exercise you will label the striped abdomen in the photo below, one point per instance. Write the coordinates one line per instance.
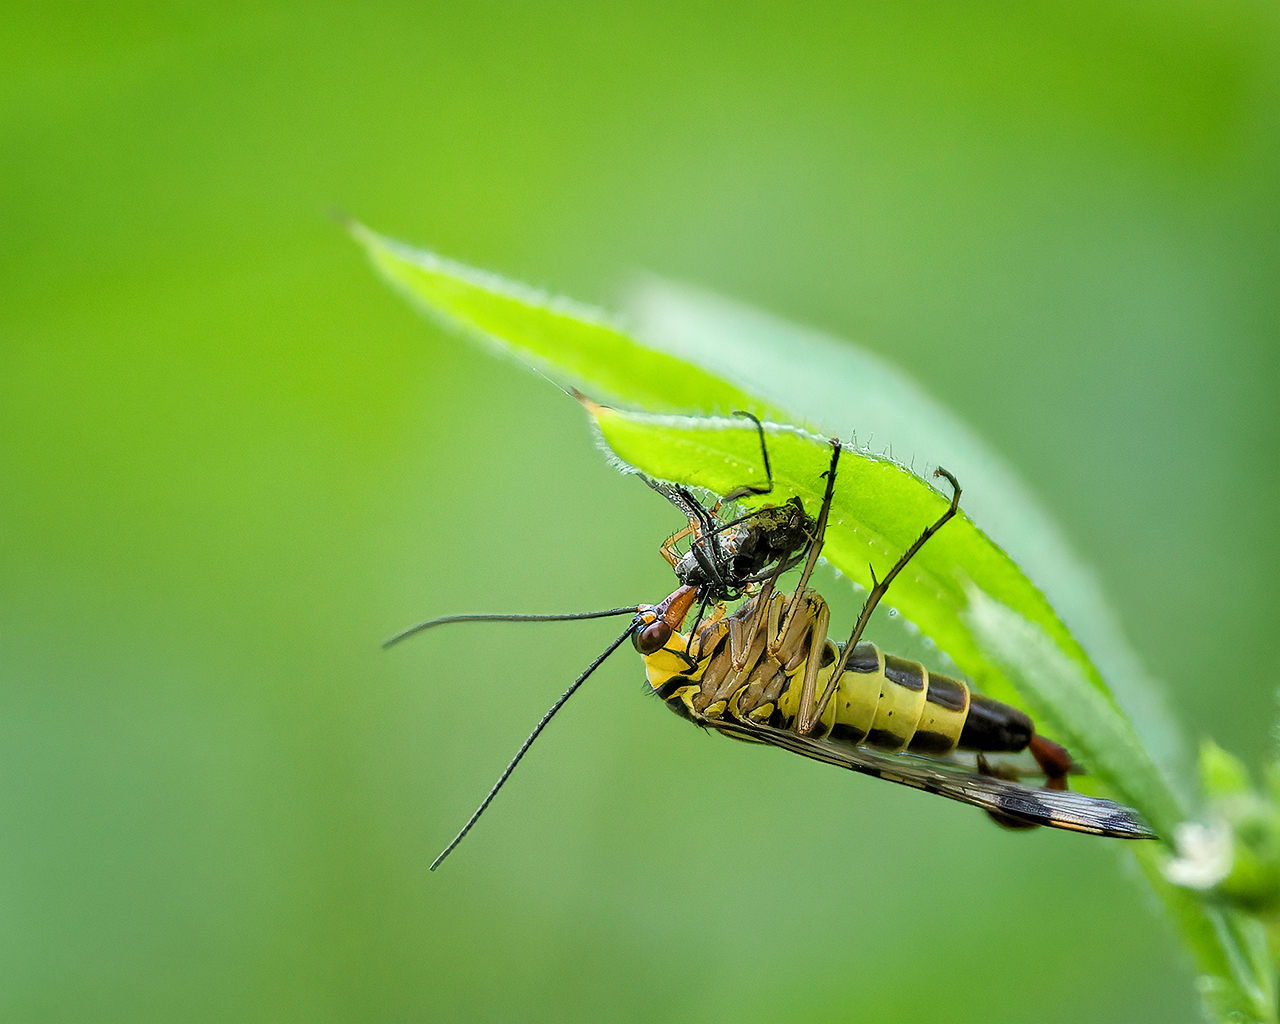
(881, 701)
(894, 704)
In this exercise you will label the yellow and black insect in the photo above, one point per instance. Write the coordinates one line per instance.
(767, 672)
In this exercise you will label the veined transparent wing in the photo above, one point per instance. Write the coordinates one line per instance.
(1063, 809)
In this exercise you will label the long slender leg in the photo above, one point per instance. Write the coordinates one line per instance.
(746, 489)
(815, 546)
(740, 638)
(880, 588)
(820, 529)
(820, 619)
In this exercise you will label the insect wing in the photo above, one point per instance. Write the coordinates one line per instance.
(1055, 808)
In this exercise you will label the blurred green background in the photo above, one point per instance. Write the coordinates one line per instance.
(232, 461)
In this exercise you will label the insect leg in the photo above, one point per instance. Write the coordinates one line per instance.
(878, 590)
(746, 489)
(741, 635)
(1054, 760)
(815, 546)
(817, 619)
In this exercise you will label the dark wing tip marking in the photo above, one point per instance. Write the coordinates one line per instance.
(1075, 812)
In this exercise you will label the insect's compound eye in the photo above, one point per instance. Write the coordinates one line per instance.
(652, 638)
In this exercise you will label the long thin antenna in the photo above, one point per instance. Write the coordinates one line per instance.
(432, 623)
(533, 736)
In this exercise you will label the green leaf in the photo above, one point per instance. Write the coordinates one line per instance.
(700, 355)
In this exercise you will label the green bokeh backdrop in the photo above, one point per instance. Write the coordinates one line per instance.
(231, 461)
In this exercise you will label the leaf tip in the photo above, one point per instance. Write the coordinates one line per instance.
(590, 404)
(343, 219)
(362, 234)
